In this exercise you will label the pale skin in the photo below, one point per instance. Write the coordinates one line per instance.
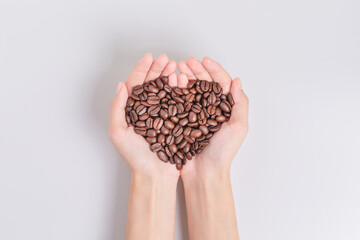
(208, 193)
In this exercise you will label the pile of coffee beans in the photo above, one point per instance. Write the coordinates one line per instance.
(178, 122)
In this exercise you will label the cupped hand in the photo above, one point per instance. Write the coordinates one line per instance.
(131, 146)
(218, 154)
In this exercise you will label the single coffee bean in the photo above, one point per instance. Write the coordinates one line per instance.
(204, 130)
(151, 140)
(161, 94)
(159, 83)
(163, 114)
(183, 122)
(214, 128)
(154, 110)
(164, 130)
(140, 124)
(211, 109)
(169, 124)
(212, 122)
(128, 120)
(155, 147)
(162, 156)
(190, 97)
(174, 119)
(230, 99)
(205, 86)
(196, 108)
(179, 139)
(193, 124)
(189, 139)
(180, 155)
(167, 151)
(225, 106)
(216, 87)
(158, 122)
(171, 160)
(172, 110)
(192, 117)
(202, 137)
(203, 143)
(187, 106)
(153, 89)
(170, 140)
(220, 118)
(141, 109)
(173, 148)
(140, 130)
(161, 138)
(167, 88)
(177, 130)
(180, 108)
(188, 156)
(186, 148)
(209, 135)
(187, 131)
(195, 133)
(178, 162)
(191, 83)
(138, 89)
(130, 102)
(183, 143)
(149, 122)
(151, 133)
(164, 79)
(185, 91)
(144, 116)
(153, 100)
(133, 116)
(183, 115)
(135, 97)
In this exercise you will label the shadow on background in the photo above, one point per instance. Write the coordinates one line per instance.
(125, 54)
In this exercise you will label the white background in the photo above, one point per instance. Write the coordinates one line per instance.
(297, 176)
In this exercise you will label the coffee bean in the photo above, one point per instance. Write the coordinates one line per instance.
(144, 116)
(204, 130)
(161, 94)
(149, 122)
(183, 143)
(140, 124)
(153, 100)
(216, 87)
(183, 122)
(225, 106)
(177, 130)
(214, 128)
(171, 160)
(164, 130)
(190, 97)
(187, 106)
(220, 118)
(163, 114)
(191, 83)
(189, 139)
(172, 110)
(230, 99)
(169, 124)
(162, 156)
(138, 89)
(212, 122)
(187, 131)
(140, 130)
(211, 109)
(174, 119)
(151, 140)
(133, 116)
(195, 133)
(186, 148)
(167, 151)
(173, 148)
(151, 133)
(212, 98)
(179, 138)
(154, 110)
(155, 147)
(205, 86)
(170, 140)
(193, 124)
(192, 117)
(161, 138)
(141, 109)
(158, 122)
(188, 156)
(180, 155)
(196, 108)
(178, 162)
(130, 102)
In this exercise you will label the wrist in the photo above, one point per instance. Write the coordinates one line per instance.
(153, 179)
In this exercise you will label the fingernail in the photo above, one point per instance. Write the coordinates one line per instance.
(119, 87)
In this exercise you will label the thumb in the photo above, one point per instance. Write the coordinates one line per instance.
(239, 112)
(117, 111)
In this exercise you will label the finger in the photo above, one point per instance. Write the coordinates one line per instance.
(182, 80)
(169, 68)
(138, 74)
(198, 69)
(157, 67)
(186, 70)
(173, 80)
(240, 110)
(117, 111)
(217, 73)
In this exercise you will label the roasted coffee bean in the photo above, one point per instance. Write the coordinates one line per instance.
(186, 148)
(140, 124)
(211, 109)
(173, 148)
(158, 122)
(188, 156)
(128, 120)
(167, 151)
(183, 115)
(137, 89)
(144, 116)
(162, 156)
(205, 86)
(209, 135)
(141, 109)
(191, 83)
(202, 137)
(220, 118)
(189, 139)
(203, 143)
(193, 124)
(183, 143)
(216, 87)
(172, 110)
(187, 106)
(180, 108)
(187, 131)
(212, 98)
(135, 97)
(170, 140)
(161, 138)
(140, 130)
(161, 94)
(151, 133)
(164, 130)
(154, 110)
(183, 122)
(192, 117)
(159, 83)
(178, 162)
(196, 108)
(149, 122)
(204, 130)
(179, 139)
(177, 130)
(215, 128)
(212, 122)
(153, 89)
(225, 106)
(230, 99)
(169, 124)
(167, 88)
(163, 114)
(174, 119)
(153, 100)
(195, 133)
(190, 97)
(165, 79)
(130, 102)
(151, 140)
(133, 116)
(155, 147)
(180, 154)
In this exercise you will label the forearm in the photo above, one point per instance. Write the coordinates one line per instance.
(151, 210)
(210, 207)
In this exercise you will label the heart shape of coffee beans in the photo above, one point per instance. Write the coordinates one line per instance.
(178, 122)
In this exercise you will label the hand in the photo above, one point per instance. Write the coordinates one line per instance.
(218, 155)
(131, 146)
